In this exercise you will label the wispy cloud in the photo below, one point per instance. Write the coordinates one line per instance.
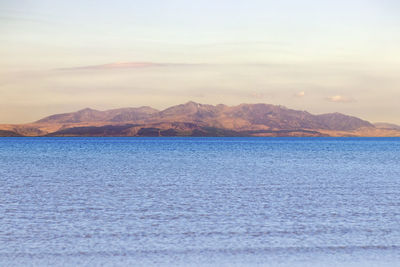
(127, 65)
(340, 99)
(300, 94)
(140, 65)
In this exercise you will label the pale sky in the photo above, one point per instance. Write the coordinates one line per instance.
(316, 55)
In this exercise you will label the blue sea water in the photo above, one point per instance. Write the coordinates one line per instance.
(200, 201)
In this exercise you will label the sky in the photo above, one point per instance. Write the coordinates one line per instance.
(316, 55)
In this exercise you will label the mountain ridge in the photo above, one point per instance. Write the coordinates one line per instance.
(385, 125)
(195, 119)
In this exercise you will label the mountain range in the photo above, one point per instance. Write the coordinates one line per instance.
(194, 119)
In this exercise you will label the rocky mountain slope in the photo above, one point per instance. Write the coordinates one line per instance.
(384, 125)
(194, 119)
(92, 115)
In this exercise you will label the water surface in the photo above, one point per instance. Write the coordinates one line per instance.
(200, 201)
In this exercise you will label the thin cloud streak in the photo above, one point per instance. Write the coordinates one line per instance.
(125, 65)
(141, 65)
(340, 99)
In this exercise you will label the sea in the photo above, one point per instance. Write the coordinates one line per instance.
(199, 201)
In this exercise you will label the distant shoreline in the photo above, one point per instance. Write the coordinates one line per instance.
(201, 120)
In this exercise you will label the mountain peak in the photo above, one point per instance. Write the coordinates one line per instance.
(190, 107)
(192, 103)
(87, 110)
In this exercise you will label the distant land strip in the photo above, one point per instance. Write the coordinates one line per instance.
(200, 120)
